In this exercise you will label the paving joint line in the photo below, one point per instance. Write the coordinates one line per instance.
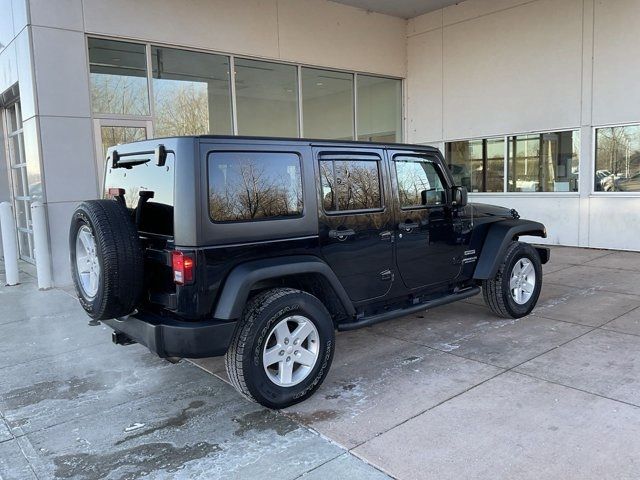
(510, 369)
(597, 288)
(595, 394)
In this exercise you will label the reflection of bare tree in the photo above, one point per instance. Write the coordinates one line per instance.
(618, 150)
(182, 111)
(362, 186)
(412, 180)
(355, 185)
(252, 192)
(119, 94)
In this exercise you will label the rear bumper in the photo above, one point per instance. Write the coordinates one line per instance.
(174, 338)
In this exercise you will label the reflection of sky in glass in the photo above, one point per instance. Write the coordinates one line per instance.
(146, 176)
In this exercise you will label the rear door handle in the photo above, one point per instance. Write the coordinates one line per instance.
(386, 235)
(341, 234)
(407, 226)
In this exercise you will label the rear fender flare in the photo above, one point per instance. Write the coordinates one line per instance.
(498, 238)
(237, 287)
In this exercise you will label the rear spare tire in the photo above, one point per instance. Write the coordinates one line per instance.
(107, 262)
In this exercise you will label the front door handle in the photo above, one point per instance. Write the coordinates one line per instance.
(407, 226)
(386, 235)
(341, 234)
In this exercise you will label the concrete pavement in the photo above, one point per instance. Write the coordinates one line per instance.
(450, 393)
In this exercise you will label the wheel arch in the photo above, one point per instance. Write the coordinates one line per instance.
(497, 240)
(288, 270)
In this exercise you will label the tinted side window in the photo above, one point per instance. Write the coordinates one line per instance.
(419, 183)
(245, 186)
(349, 185)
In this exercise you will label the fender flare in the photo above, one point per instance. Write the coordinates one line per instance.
(498, 237)
(236, 288)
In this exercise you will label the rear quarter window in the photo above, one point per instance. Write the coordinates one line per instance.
(252, 186)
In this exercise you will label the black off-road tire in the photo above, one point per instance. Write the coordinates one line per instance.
(243, 360)
(120, 256)
(496, 292)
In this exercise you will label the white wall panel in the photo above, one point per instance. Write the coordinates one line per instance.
(469, 9)
(424, 87)
(513, 71)
(59, 13)
(614, 222)
(327, 33)
(616, 71)
(559, 213)
(247, 26)
(62, 80)
(67, 158)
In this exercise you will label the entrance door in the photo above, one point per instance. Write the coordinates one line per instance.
(356, 220)
(25, 189)
(428, 248)
(111, 132)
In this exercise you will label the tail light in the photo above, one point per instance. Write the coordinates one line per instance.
(183, 267)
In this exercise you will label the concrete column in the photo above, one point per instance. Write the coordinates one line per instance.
(586, 122)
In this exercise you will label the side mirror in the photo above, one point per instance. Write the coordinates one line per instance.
(459, 196)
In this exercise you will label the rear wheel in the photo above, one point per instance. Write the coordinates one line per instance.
(106, 259)
(282, 349)
(514, 291)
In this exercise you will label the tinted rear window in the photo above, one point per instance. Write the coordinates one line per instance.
(157, 212)
(247, 186)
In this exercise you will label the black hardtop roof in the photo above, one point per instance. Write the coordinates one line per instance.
(306, 141)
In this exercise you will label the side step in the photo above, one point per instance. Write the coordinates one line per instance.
(381, 317)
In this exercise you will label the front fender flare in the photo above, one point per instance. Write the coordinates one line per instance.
(498, 238)
(239, 282)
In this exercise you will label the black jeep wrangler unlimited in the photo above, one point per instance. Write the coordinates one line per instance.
(261, 248)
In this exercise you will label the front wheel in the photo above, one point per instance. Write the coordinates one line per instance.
(282, 349)
(514, 291)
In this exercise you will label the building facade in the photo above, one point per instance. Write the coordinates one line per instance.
(533, 102)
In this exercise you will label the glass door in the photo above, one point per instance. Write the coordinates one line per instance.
(24, 191)
(111, 132)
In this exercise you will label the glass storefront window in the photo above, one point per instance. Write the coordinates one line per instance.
(266, 98)
(379, 109)
(545, 162)
(617, 159)
(118, 73)
(327, 104)
(117, 135)
(477, 165)
(192, 93)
